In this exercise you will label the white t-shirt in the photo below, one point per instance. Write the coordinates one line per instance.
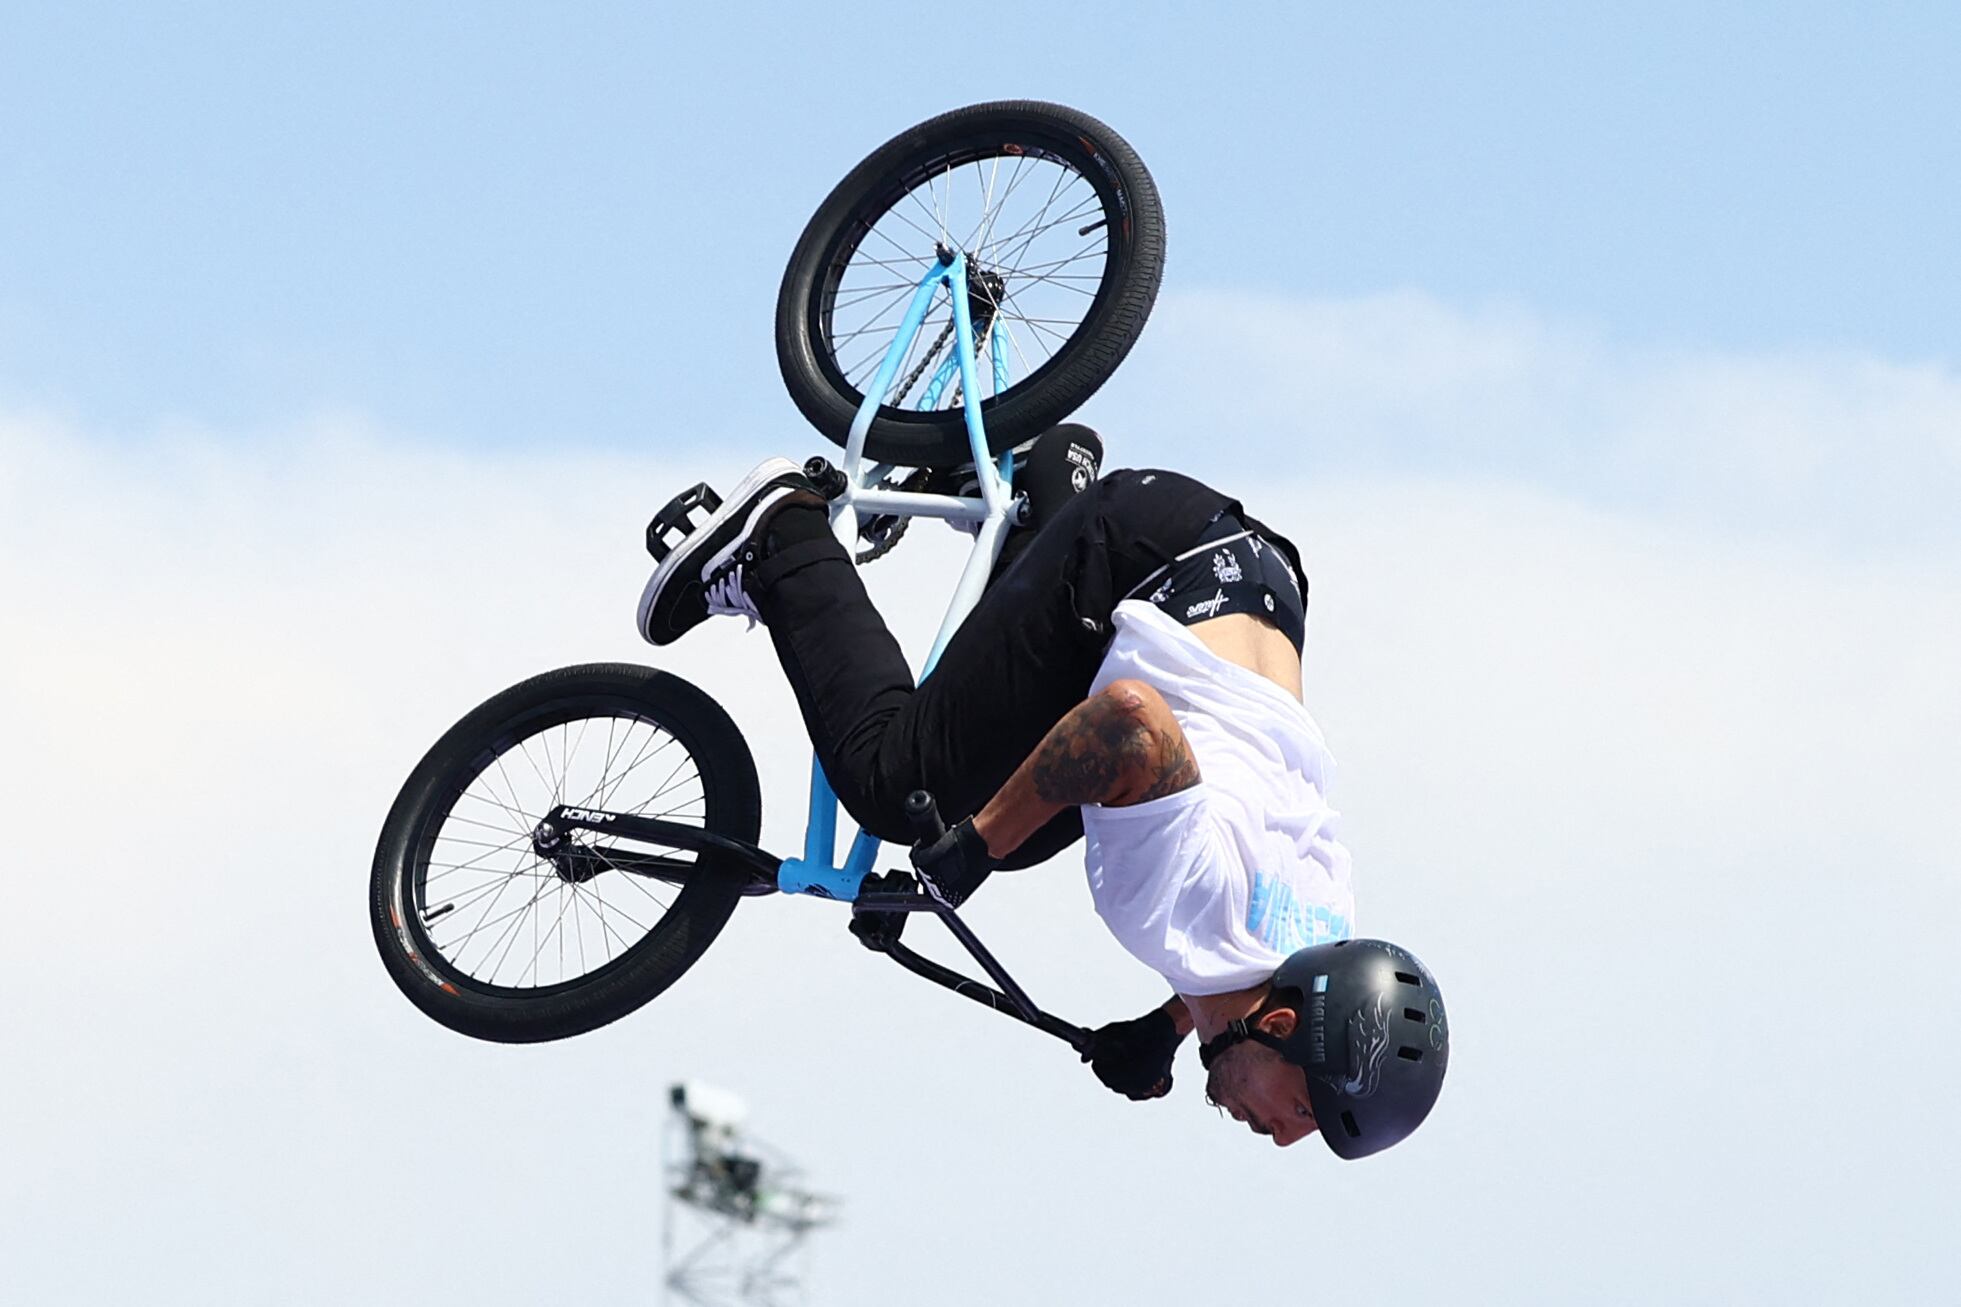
(1213, 886)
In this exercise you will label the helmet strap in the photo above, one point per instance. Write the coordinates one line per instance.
(1237, 1031)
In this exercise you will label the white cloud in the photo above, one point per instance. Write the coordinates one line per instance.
(1666, 806)
(1837, 447)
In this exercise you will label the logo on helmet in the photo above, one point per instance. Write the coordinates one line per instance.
(1368, 1045)
(1317, 1023)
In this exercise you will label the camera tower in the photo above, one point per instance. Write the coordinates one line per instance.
(737, 1217)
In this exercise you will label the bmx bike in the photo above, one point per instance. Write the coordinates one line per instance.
(567, 850)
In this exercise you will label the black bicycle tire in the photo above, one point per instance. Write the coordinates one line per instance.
(733, 808)
(1056, 389)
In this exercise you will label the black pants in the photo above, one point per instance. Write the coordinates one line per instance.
(1022, 659)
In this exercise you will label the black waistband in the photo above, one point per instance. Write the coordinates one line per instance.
(1231, 570)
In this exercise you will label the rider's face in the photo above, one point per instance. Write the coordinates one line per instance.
(1257, 1086)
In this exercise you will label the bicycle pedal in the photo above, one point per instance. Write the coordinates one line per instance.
(672, 519)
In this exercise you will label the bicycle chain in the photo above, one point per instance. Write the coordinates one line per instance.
(926, 361)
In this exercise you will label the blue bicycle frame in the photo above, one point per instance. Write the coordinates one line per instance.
(816, 872)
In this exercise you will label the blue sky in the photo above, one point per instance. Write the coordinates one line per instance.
(509, 224)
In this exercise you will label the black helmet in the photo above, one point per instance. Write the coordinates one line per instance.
(1372, 1038)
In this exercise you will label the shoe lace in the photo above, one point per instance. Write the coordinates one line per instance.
(727, 597)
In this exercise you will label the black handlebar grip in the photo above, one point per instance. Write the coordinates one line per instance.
(924, 814)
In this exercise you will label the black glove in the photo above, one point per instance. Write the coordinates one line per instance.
(1134, 1057)
(952, 867)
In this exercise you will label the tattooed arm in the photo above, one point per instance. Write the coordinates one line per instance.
(1119, 747)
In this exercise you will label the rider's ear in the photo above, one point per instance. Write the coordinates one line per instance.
(1280, 1022)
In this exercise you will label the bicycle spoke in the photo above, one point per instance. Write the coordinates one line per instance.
(879, 350)
(860, 368)
(584, 725)
(612, 753)
(516, 916)
(600, 793)
(607, 798)
(471, 897)
(667, 781)
(471, 821)
(465, 866)
(619, 911)
(912, 256)
(931, 215)
(892, 304)
(907, 220)
(977, 239)
(1061, 339)
(1015, 345)
(986, 189)
(911, 263)
(1015, 314)
(1023, 269)
(610, 933)
(946, 214)
(559, 926)
(510, 788)
(484, 844)
(522, 822)
(863, 293)
(1079, 211)
(491, 798)
(638, 882)
(1024, 284)
(524, 747)
(1010, 235)
(669, 814)
(538, 946)
(441, 870)
(1040, 214)
(509, 936)
(633, 765)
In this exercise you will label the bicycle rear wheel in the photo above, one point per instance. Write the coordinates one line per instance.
(499, 943)
(1064, 237)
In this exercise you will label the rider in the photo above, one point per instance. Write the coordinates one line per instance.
(1134, 677)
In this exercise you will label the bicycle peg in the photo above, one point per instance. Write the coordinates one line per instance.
(923, 812)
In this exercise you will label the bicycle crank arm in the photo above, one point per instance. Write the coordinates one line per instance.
(552, 841)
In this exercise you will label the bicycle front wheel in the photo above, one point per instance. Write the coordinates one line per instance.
(1064, 238)
(500, 943)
